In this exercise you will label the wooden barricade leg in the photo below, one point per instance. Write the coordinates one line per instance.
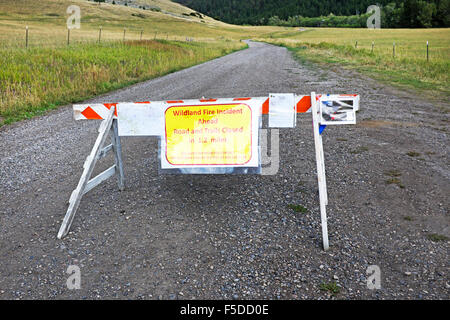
(117, 147)
(320, 170)
(324, 180)
(109, 125)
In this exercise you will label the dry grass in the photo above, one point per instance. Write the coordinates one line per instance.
(410, 43)
(409, 67)
(47, 24)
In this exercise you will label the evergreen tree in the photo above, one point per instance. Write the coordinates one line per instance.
(395, 13)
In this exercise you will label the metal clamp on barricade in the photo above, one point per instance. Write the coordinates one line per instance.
(207, 136)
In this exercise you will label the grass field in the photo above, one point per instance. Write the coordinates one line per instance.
(39, 79)
(353, 48)
(49, 72)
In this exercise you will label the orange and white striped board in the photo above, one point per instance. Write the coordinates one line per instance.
(95, 111)
(99, 111)
(204, 132)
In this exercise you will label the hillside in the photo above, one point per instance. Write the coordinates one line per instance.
(259, 11)
(47, 22)
(166, 7)
(47, 18)
(395, 13)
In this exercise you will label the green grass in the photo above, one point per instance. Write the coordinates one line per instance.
(38, 79)
(298, 208)
(395, 181)
(437, 237)
(360, 150)
(330, 287)
(393, 173)
(413, 154)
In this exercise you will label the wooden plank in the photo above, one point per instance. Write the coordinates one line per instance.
(104, 151)
(320, 170)
(117, 147)
(108, 173)
(87, 171)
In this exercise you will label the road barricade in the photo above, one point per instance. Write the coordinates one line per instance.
(208, 136)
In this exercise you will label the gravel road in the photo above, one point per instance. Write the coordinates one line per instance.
(234, 236)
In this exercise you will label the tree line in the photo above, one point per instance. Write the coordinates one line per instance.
(326, 13)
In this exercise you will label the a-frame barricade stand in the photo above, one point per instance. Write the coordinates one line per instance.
(150, 119)
(109, 125)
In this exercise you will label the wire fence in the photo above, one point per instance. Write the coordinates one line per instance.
(37, 37)
(30, 37)
(395, 49)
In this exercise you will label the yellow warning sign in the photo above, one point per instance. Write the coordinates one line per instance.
(209, 134)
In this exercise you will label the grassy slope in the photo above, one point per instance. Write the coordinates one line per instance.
(408, 69)
(175, 8)
(47, 22)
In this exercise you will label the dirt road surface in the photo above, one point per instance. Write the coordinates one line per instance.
(234, 236)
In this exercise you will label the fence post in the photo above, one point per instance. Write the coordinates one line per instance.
(26, 37)
(124, 30)
(141, 34)
(356, 44)
(372, 46)
(68, 36)
(99, 34)
(427, 52)
(393, 50)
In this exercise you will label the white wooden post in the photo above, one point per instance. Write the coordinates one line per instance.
(117, 148)
(322, 162)
(320, 170)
